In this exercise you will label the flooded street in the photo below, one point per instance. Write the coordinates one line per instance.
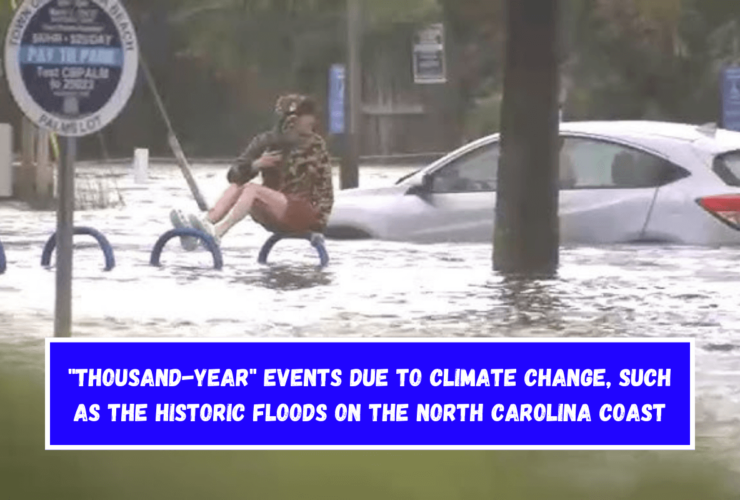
(369, 289)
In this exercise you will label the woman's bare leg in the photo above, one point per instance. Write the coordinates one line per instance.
(276, 204)
(225, 203)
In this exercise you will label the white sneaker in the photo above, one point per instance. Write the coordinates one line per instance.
(179, 220)
(206, 226)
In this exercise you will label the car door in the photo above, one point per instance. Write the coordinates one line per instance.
(459, 205)
(610, 191)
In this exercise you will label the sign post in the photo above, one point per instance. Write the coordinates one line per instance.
(731, 98)
(65, 236)
(71, 66)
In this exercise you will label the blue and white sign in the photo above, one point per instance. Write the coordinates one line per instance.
(337, 82)
(71, 64)
(731, 98)
(478, 393)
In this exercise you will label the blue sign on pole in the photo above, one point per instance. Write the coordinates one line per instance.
(731, 99)
(336, 98)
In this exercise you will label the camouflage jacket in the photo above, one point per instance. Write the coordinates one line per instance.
(305, 170)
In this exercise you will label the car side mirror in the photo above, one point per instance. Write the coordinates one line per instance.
(422, 189)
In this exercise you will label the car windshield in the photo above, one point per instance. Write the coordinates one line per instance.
(727, 167)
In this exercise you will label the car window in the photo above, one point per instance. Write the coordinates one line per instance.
(474, 172)
(727, 167)
(592, 164)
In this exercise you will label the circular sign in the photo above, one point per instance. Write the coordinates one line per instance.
(71, 64)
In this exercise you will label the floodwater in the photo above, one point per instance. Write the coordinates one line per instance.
(369, 289)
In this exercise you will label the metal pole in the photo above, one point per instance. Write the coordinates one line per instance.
(182, 162)
(349, 174)
(65, 236)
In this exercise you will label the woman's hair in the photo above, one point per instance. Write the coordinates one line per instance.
(295, 104)
(290, 106)
(306, 107)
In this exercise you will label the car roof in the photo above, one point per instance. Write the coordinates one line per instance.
(623, 128)
(708, 138)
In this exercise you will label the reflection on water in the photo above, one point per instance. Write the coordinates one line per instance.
(286, 278)
(532, 301)
(369, 289)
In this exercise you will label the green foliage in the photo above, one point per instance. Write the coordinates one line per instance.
(483, 118)
(655, 59)
(219, 64)
(279, 33)
(380, 14)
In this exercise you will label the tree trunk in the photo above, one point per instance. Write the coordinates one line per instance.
(526, 236)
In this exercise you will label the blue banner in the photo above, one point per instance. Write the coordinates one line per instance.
(337, 79)
(731, 99)
(71, 56)
(370, 394)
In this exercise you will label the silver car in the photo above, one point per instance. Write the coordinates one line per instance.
(621, 182)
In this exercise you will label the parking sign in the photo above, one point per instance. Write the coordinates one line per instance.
(337, 79)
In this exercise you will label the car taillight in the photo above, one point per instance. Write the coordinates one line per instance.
(724, 207)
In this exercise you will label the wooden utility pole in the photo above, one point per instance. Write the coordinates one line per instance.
(527, 233)
(349, 174)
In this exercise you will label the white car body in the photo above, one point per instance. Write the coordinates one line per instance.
(602, 207)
